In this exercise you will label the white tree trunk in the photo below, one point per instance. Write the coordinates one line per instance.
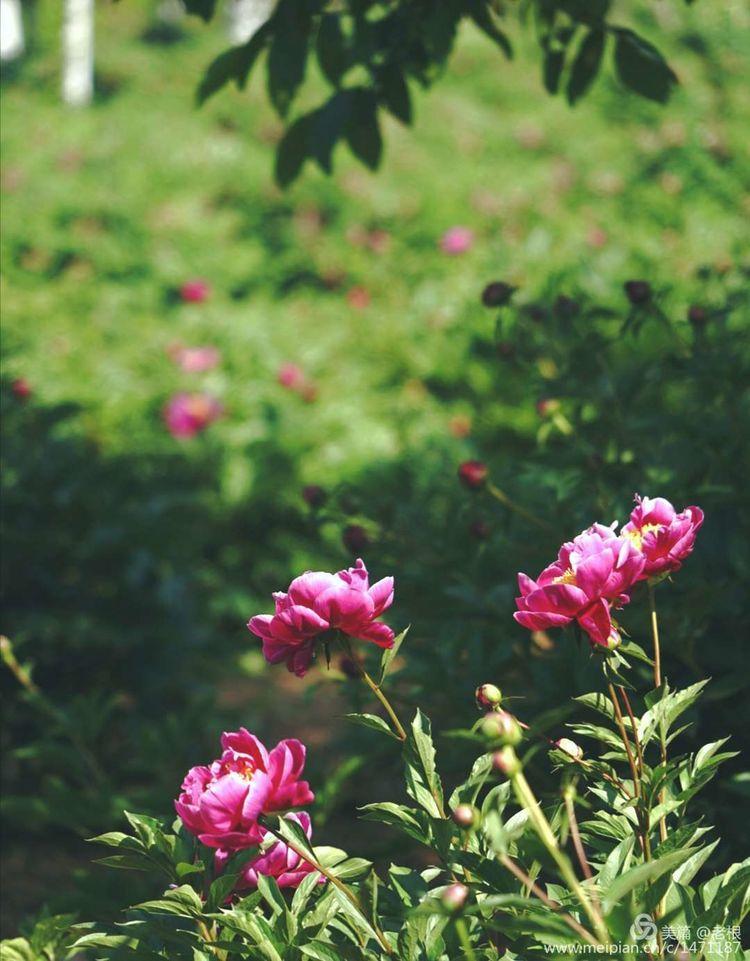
(78, 52)
(245, 17)
(11, 30)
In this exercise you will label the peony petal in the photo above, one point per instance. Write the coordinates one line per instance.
(382, 595)
(378, 633)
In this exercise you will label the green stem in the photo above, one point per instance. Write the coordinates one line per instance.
(506, 501)
(463, 936)
(529, 883)
(376, 690)
(541, 824)
(657, 683)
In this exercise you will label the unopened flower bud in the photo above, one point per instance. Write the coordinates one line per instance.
(497, 294)
(454, 897)
(480, 530)
(21, 388)
(547, 406)
(355, 538)
(465, 816)
(473, 474)
(573, 750)
(682, 954)
(488, 696)
(697, 315)
(638, 292)
(566, 307)
(501, 726)
(314, 495)
(505, 761)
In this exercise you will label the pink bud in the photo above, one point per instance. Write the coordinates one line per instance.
(506, 762)
(487, 696)
(575, 751)
(454, 897)
(465, 816)
(291, 376)
(457, 240)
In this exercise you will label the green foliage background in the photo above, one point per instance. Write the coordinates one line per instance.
(131, 562)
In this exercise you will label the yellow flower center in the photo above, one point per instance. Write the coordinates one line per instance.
(569, 577)
(639, 533)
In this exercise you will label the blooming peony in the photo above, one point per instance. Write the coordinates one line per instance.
(195, 291)
(316, 602)
(593, 572)
(664, 537)
(195, 360)
(188, 414)
(457, 240)
(278, 861)
(220, 802)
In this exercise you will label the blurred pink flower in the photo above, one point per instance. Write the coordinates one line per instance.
(593, 572)
(291, 376)
(358, 298)
(317, 602)
(186, 415)
(664, 537)
(278, 861)
(21, 388)
(195, 291)
(220, 803)
(195, 360)
(457, 240)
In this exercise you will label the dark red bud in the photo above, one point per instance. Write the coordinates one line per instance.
(21, 388)
(314, 495)
(473, 474)
(465, 816)
(480, 530)
(638, 292)
(497, 294)
(488, 696)
(697, 315)
(355, 538)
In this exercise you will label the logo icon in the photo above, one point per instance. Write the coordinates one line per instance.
(643, 928)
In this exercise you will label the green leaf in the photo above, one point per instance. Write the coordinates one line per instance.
(372, 722)
(422, 780)
(330, 47)
(201, 8)
(389, 655)
(287, 55)
(641, 67)
(484, 18)
(233, 64)
(293, 150)
(182, 901)
(585, 66)
(393, 92)
(642, 874)
(363, 130)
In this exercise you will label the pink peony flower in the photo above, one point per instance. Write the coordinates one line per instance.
(591, 574)
(195, 360)
(664, 537)
(317, 602)
(277, 861)
(188, 414)
(195, 291)
(457, 240)
(220, 802)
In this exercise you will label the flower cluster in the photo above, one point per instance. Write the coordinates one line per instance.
(596, 571)
(317, 602)
(221, 804)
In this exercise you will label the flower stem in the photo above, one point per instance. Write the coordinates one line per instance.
(657, 683)
(398, 727)
(541, 824)
(524, 878)
(463, 936)
(506, 501)
(336, 882)
(575, 834)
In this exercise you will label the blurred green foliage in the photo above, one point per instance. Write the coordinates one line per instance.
(132, 561)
